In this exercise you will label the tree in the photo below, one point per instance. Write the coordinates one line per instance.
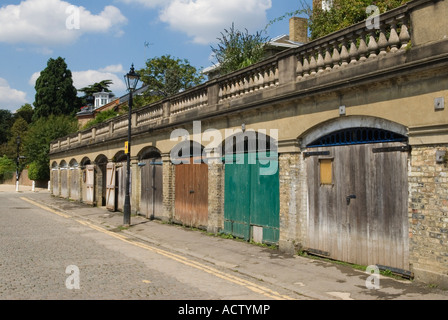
(166, 76)
(6, 119)
(7, 167)
(55, 93)
(94, 88)
(101, 117)
(37, 141)
(237, 49)
(345, 13)
(26, 112)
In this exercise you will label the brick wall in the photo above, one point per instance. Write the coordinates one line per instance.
(216, 176)
(293, 202)
(428, 215)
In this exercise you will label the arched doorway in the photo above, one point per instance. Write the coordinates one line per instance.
(358, 194)
(74, 180)
(252, 191)
(88, 181)
(101, 179)
(191, 185)
(151, 197)
(55, 179)
(64, 178)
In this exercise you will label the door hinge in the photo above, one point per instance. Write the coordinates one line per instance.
(316, 153)
(392, 149)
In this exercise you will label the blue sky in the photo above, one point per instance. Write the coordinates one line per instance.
(100, 39)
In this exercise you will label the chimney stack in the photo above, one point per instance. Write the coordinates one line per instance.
(298, 29)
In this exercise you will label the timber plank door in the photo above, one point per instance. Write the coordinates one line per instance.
(191, 194)
(151, 204)
(55, 181)
(64, 183)
(90, 184)
(252, 199)
(358, 203)
(74, 184)
(111, 187)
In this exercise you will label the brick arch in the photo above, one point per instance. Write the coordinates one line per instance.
(327, 127)
(148, 153)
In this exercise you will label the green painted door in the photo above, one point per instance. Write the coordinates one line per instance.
(252, 200)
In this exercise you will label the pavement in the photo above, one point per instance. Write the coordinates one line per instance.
(310, 277)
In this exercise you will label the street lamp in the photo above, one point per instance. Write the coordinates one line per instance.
(131, 80)
(18, 140)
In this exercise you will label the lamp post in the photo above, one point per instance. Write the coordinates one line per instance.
(131, 80)
(18, 140)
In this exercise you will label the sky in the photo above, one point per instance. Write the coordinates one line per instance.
(99, 40)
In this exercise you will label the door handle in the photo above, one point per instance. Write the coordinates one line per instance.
(191, 191)
(349, 198)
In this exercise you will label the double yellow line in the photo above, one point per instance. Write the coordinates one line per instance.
(271, 294)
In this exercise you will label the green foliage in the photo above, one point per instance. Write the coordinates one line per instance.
(345, 13)
(36, 171)
(40, 134)
(7, 167)
(167, 76)
(6, 120)
(55, 93)
(26, 112)
(237, 49)
(101, 117)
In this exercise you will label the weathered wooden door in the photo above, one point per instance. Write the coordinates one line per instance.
(151, 203)
(357, 197)
(55, 182)
(74, 184)
(90, 184)
(64, 182)
(191, 198)
(121, 185)
(111, 187)
(252, 200)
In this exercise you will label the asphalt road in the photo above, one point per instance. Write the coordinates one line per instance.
(47, 255)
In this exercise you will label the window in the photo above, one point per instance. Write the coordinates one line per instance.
(326, 171)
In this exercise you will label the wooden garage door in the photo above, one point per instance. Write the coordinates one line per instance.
(111, 187)
(358, 203)
(151, 203)
(90, 184)
(191, 198)
(252, 199)
(74, 184)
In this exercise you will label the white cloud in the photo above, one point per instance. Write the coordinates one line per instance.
(10, 99)
(51, 22)
(204, 20)
(85, 78)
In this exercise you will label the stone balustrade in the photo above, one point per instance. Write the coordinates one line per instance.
(191, 99)
(348, 47)
(354, 45)
(150, 114)
(264, 76)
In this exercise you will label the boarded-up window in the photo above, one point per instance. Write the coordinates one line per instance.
(326, 171)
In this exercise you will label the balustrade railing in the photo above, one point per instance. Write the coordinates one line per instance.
(354, 45)
(190, 100)
(262, 77)
(351, 46)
